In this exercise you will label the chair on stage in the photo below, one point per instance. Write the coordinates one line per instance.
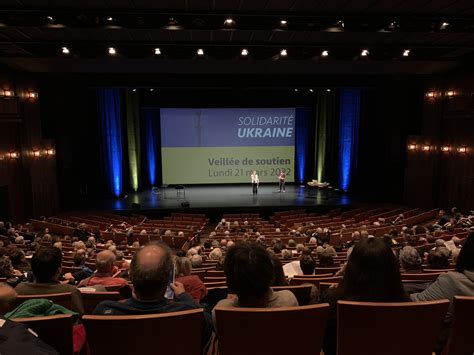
(180, 192)
(370, 328)
(146, 334)
(253, 331)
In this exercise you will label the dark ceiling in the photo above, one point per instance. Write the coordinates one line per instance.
(32, 34)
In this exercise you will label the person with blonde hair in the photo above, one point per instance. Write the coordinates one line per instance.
(192, 283)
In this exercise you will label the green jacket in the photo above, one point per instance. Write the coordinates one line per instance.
(39, 307)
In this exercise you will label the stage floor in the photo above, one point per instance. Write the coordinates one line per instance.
(227, 197)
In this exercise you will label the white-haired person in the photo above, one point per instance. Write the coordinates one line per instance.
(410, 260)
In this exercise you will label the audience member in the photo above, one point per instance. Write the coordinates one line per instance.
(46, 267)
(438, 258)
(307, 265)
(410, 260)
(192, 283)
(105, 272)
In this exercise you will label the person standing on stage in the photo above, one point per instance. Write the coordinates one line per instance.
(282, 178)
(255, 182)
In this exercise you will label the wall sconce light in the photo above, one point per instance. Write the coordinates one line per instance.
(445, 148)
(426, 148)
(462, 149)
(411, 146)
(32, 95)
(50, 151)
(14, 155)
(430, 94)
(450, 93)
(6, 93)
(36, 153)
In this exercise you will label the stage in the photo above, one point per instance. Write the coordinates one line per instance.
(214, 199)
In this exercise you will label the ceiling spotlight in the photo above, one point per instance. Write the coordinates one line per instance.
(393, 25)
(283, 53)
(445, 148)
(296, 90)
(406, 52)
(283, 22)
(244, 52)
(444, 25)
(364, 53)
(340, 23)
(229, 21)
(324, 53)
(450, 93)
(311, 90)
(411, 146)
(112, 51)
(200, 51)
(151, 90)
(328, 90)
(50, 18)
(110, 19)
(134, 90)
(65, 50)
(462, 149)
(157, 51)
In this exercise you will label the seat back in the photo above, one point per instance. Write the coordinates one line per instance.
(146, 334)
(421, 277)
(92, 299)
(63, 299)
(301, 292)
(264, 326)
(315, 280)
(462, 341)
(369, 328)
(55, 331)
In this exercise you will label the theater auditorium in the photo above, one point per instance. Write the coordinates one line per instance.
(229, 177)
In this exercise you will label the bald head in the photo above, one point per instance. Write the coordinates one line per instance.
(105, 261)
(7, 297)
(149, 271)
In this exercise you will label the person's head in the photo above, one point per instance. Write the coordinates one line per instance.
(250, 272)
(277, 248)
(58, 245)
(191, 252)
(465, 260)
(105, 261)
(292, 243)
(224, 243)
(46, 264)
(312, 240)
(149, 271)
(441, 213)
(79, 257)
(439, 258)
(196, 261)
(326, 260)
(456, 241)
(6, 267)
(307, 264)
(410, 259)
(439, 243)
(136, 244)
(299, 248)
(278, 273)
(7, 297)
(372, 274)
(183, 266)
(286, 254)
(254, 172)
(215, 254)
(282, 170)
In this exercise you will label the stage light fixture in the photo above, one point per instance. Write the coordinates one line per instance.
(200, 52)
(445, 148)
(244, 52)
(151, 90)
(406, 52)
(340, 24)
(311, 90)
(36, 153)
(393, 25)
(462, 149)
(325, 53)
(112, 51)
(364, 53)
(430, 94)
(8, 93)
(134, 90)
(50, 151)
(110, 19)
(157, 51)
(328, 90)
(229, 21)
(2, 157)
(65, 50)
(50, 19)
(283, 53)
(450, 93)
(283, 23)
(296, 90)
(426, 147)
(444, 25)
(14, 155)
(411, 146)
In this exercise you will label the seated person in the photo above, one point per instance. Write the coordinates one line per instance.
(149, 272)
(250, 273)
(439, 258)
(105, 270)
(46, 267)
(192, 283)
(410, 260)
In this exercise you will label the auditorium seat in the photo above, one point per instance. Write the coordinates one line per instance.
(166, 333)
(92, 299)
(314, 280)
(288, 330)
(63, 299)
(55, 331)
(408, 328)
(420, 277)
(462, 341)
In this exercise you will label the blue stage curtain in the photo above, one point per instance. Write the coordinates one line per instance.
(151, 118)
(349, 116)
(111, 129)
(301, 143)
